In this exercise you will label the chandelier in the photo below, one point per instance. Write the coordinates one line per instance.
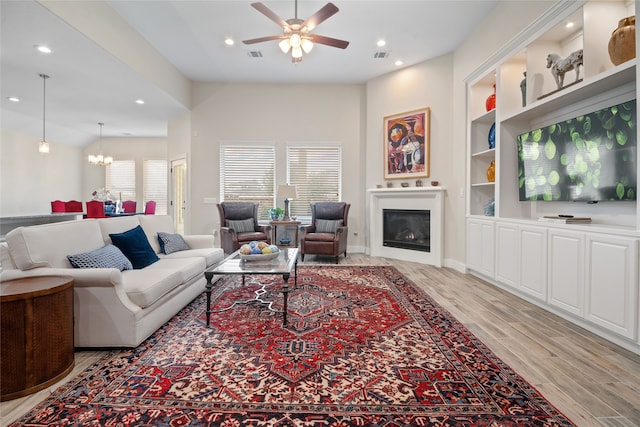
(43, 147)
(100, 160)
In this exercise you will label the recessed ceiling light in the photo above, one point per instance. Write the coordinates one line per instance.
(42, 48)
(139, 101)
(569, 24)
(381, 43)
(229, 41)
(398, 63)
(13, 99)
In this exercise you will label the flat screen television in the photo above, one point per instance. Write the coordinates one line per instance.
(588, 158)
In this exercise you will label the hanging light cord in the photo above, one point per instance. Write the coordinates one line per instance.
(44, 102)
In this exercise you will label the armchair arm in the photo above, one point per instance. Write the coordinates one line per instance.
(342, 232)
(266, 229)
(307, 229)
(228, 238)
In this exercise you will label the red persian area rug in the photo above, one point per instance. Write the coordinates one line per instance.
(364, 346)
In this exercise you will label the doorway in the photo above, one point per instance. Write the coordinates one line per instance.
(179, 192)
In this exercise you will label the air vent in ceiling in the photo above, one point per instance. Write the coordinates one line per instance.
(381, 54)
(254, 54)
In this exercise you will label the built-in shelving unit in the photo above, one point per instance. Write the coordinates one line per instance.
(586, 273)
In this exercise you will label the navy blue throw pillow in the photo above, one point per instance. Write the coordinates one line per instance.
(135, 246)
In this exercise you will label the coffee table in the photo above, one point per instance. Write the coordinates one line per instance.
(284, 264)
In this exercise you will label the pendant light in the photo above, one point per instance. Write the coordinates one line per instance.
(43, 147)
(100, 160)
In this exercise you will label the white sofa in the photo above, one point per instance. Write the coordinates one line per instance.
(113, 308)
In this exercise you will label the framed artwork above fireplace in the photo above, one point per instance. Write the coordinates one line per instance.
(406, 144)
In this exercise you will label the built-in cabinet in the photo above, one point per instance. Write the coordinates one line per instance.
(586, 273)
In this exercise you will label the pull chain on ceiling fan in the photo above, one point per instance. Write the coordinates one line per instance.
(297, 35)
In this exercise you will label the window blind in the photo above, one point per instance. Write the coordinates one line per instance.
(316, 171)
(155, 184)
(247, 173)
(121, 179)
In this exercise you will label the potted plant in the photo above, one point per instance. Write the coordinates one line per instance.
(276, 213)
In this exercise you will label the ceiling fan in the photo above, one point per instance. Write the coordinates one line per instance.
(297, 35)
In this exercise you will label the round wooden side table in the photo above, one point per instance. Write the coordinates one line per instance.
(37, 348)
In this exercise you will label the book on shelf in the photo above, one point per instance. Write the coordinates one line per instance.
(566, 219)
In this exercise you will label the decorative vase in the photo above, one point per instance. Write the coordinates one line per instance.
(491, 100)
(491, 171)
(622, 44)
(492, 136)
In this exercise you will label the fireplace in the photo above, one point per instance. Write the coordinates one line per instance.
(414, 203)
(406, 229)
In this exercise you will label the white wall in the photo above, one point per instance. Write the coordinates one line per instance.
(278, 114)
(428, 84)
(29, 180)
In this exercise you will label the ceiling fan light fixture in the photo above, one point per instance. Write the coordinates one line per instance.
(295, 40)
(284, 45)
(296, 52)
(307, 45)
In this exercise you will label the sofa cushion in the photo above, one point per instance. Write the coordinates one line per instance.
(107, 256)
(210, 255)
(170, 243)
(187, 267)
(327, 226)
(48, 245)
(117, 225)
(144, 287)
(242, 225)
(320, 237)
(135, 246)
(152, 224)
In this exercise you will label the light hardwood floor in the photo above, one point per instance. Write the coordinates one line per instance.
(592, 381)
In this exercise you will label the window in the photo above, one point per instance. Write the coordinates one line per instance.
(155, 184)
(247, 173)
(316, 172)
(121, 179)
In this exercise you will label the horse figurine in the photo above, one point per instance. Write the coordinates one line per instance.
(560, 66)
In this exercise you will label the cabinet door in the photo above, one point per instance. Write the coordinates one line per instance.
(566, 271)
(533, 261)
(612, 278)
(507, 254)
(480, 246)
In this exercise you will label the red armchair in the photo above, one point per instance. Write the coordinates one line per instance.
(328, 232)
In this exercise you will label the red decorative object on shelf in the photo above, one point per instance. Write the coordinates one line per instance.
(491, 100)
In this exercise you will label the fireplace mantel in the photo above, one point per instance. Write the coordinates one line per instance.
(428, 198)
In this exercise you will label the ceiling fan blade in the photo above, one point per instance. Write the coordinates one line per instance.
(327, 11)
(342, 44)
(270, 14)
(262, 39)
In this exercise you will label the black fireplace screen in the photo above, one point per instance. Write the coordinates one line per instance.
(406, 229)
